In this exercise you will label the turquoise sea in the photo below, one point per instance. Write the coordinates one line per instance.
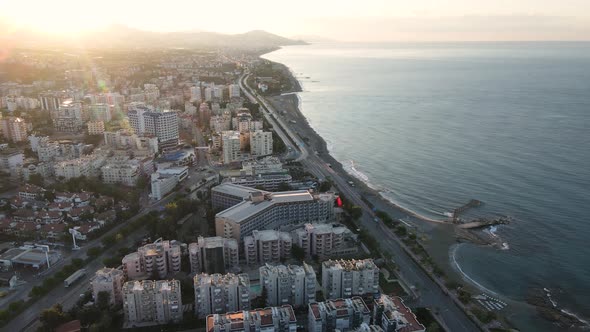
(434, 125)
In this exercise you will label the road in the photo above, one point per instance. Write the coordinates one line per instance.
(27, 320)
(431, 295)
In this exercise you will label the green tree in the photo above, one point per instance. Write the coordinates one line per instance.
(283, 186)
(53, 317)
(103, 300)
(298, 253)
(36, 179)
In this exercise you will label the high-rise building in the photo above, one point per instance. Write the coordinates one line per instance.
(100, 112)
(152, 302)
(110, 281)
(68, 117)
(267, 246)
(340, 314)
(162, 124)
(275, 319)
(213, 255)
(293, 284)
(196, 94)
(221, 293)
(230, 143)
(204, 114)
(323, 240)
(348, 278)
(263, 210)
(95, 127)
(260, 143)
(234, 91)
(126, 173)
(392, 315)
(159, 258)
(14, 129)
(227, 195)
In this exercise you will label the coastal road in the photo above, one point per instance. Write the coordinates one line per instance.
(431, 295)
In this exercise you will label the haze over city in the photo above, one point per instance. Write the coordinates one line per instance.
(373, 20)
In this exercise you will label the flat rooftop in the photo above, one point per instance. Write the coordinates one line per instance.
(236, 190)
(246, 209)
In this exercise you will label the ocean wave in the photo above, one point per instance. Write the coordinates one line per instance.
(352, 170)
(563, 310)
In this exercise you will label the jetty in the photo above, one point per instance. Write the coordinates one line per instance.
(479, 223)
(461, 209)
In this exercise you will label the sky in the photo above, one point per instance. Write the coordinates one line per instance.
(344, 20)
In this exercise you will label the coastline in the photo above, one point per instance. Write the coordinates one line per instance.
(290, 102)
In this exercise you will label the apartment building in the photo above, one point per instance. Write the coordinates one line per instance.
(275, 319)
(95, 127)
(393, 315)
(260, 143)
(324, 240)
(126, 174)
(221, 293)
(272, 210)
(227, 195)
(14, 129)
(99, 112)
(74, 168)
(110, 281)
(267, 246)
(162, 124)
(348, 278)
(292, 284)
(213, 255)
(159, 258)
(230, 143)
(341, 314)
(148, 301)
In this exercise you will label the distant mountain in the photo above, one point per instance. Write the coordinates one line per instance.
(314, 39)
(121, 36)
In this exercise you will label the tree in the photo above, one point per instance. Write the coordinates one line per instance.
(36, 179)
(356, 212)
(103, 300)
(283, 186)
(298, 252)
(53, 317)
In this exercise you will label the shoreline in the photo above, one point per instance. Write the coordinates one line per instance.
(291, 103)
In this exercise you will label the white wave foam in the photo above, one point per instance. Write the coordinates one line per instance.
(456, 265)
(352, 170)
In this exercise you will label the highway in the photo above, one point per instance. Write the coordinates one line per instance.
(431, 294)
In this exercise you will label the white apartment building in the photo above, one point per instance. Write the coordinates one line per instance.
(162, 124)
(341, 314)
(126, 174)
(213, 255)
(267, 246)
(392, 315)
(48, 151)
(323, 240)
(162, 184)
(14, 129)
(195, 93)
(348, 278)
(293, 284)
(159, 258)
(262, 210)
(95, 127)
(266, 165)
(10, 160)
(68, 117)
(234, 91)
(110, 281)
(275, 319)
(221, 293)
(220, 123)
(266, 181)
(230, 143)
(227, 195)
(100, 112)
(244, 123)
(150, 301)
(69, 169)
(260, 143)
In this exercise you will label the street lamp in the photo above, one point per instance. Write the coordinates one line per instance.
(74, 234)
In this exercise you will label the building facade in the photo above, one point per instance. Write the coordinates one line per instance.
(221, 293)
(267, 246)
(348, 278)
(147, 301)
(292, 284)
(275, 319)
(159, 259)
(341, 314)
(260, 143)
(213, 255)
(110, 281)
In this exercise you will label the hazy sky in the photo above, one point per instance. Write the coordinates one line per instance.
(373, 20)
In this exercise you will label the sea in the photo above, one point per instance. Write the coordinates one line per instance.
(433, 125)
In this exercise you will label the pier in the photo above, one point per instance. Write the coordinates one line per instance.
(479, 223)
(461, 209)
